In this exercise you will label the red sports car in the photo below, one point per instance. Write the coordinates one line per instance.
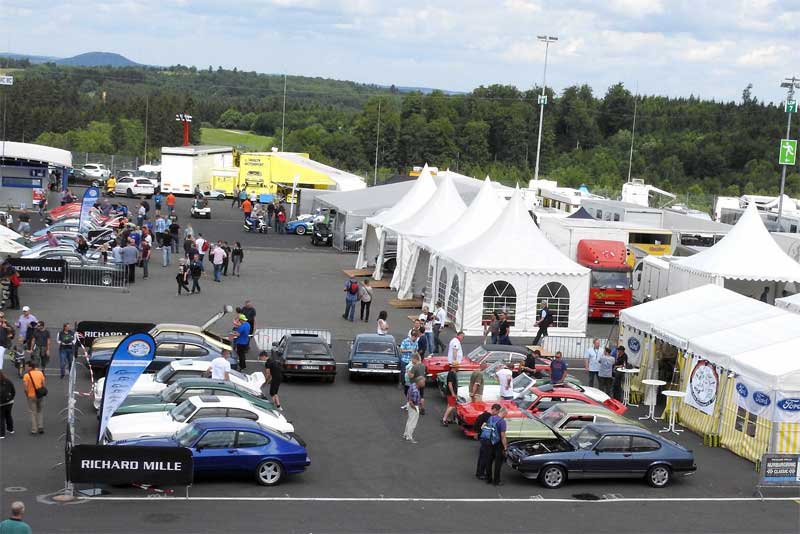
(482, 357)
(73, 209)
(535, 400)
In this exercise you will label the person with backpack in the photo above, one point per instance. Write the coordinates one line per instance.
(545, 320)
(7, 394)
(486, 448)
(494, 430)
(202, 246)
(35, 392)
(350, 298)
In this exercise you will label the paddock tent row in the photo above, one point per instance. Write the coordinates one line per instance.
(511, 265)
(737, 362)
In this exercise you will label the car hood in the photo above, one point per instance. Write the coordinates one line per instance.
(147, 442)
(145, 385)
(131, 400)
(153, 424)
(253, 383)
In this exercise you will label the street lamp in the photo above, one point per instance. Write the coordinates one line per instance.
(546, 39)
(791, 84)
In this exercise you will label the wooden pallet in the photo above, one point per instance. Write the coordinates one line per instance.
(355, 273)
(404, 304)
(379, 284)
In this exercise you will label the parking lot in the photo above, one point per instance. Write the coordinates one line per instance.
(363, 475)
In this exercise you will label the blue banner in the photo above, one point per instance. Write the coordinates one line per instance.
(90, 198)
(130, 359)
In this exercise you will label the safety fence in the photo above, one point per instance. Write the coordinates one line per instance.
(570, 347)
(265, 337)
(63, 272)
(113, 162)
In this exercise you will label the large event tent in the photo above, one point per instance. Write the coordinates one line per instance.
(737, 363)
(511, 265)
(746, 260)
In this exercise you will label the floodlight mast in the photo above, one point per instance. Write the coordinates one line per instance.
(546, 39)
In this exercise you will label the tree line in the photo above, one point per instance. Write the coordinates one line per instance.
(687, 145)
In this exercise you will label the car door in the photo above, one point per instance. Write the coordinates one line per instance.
(167, 352)
(250, 447)
(644, 451)
(192, 351)
(216, 451)
(611, 456)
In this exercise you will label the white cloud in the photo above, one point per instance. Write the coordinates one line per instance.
(522, 6)
(636, 8)
(765, 56)
(700, 51)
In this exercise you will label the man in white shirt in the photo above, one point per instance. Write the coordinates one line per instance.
(504, 377)
(198, 243)
(454, 351)
(220, 368)
(439, 319)
(592, 356)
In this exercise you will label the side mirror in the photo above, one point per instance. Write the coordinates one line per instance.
(274, 343)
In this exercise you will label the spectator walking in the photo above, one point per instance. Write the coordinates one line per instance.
(408, 347)
(491, 328)
(427, 320)
(202, 246)
(160, 228)
(141, 213)
(188, 247)
(545, 320)
(247, 208)
(242, 196)
(237, 256)
(182, 277)
(273, 373)
(422, 342)
(592, 361)
(7, 394)
(558, 369)
(14, 524)
(504, 330)
(413, 400)
(130, 257)
(196, 271)
(241, 339)
(440, 319)
(383, 323)
(365, 296)
(350, 298)
(497, 424)
(235, 201)
(158, 199)
(455, 353)
(227, 248)
(218, 256)
(175, 232)
(24, 227)
(484, 435)
(166, 249)
(171, 205)
(606, 371)
(145, 257)
(40, 345)
(452, 392)
(66, 348)
(25, 321)
(35, 391)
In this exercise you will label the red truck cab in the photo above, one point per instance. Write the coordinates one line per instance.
(610, 289)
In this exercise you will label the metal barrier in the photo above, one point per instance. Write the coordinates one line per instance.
(109, 275)
(570, 347)
(264, 337)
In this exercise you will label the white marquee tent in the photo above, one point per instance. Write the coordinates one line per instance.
(511, 265)
(746, 260)
(790, 303)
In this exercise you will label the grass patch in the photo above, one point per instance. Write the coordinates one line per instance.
(235, 138)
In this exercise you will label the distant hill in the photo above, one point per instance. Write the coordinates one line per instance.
(89, 59)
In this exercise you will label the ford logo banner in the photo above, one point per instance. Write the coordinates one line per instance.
(761, 398)
(634, 344)
(741, 389)
(789, 405)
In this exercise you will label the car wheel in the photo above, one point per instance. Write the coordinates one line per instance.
(269, 472)
(106, 279)
(553, 476)
(300, 230)
(658, 476)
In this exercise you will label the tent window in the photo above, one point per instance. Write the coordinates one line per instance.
(557, 297)
(441, 293)
(452, 300)
(500, 295)
(746, 422)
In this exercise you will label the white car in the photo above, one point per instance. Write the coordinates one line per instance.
(200, 209)
(160, 424)
(134, 186)
(96, 171)
(214, 194)
(521, 385)
(152, 384)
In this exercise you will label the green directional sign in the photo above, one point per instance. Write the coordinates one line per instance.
(542, 100)
(788, 154)
(791, 106)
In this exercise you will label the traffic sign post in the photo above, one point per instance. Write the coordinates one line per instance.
(542, 100)
(791, 106)
(788, 154)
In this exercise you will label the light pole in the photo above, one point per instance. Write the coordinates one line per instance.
(546, 39)
(791, 84)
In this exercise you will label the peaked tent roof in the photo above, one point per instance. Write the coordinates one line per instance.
(580, 214)
(484, 210)
(513, 243)
(747, 252)
(790, 303)
(419, 194)
(444, 207)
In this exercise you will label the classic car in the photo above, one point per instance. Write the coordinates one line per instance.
(150, 384)
(305, 355)
(173, 342)
(161, 424)
(483, 356)
(602, 450)
(522, 383)
(232, 445)
(299, 227)
(490, 379)
(182, 389)
(374, 354)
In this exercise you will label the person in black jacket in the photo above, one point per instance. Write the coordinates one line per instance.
(237, 256)
(545, 320)
(7, 394)
(485, 452)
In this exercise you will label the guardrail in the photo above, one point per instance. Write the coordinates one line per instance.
(264, 337)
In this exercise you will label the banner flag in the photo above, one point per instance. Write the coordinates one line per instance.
(754, 398)
(787, 407)
(702, 386)
(634, 345)
(130, 359)
(90, 198)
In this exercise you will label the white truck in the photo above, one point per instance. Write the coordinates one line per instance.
(184, 167)
(651, 277)
(565, 233)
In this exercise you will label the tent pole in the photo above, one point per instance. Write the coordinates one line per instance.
(464, 302)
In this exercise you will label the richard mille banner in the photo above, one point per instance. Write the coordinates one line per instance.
(130, 359)
(634, 345)
(122, 464)
(702, 386)
(754, 398)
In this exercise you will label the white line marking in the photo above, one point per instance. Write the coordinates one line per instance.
(455, 501)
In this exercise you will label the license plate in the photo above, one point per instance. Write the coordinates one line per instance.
(311, 367)
(608, 314)
(375, 366)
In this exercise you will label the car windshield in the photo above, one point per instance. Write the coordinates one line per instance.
(310, 348)
(477, 355)
(188, 435)
(375, 347)
(584, 439)
(611, 279)
(181, 412)
(552, 416)
(163, 374)
(171, 392)
(241, 376)
(522, 382)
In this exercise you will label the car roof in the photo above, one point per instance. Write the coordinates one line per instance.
(176, 327)
(615, 428)
(189, 364)
(386, 338)
(191, 381)
(202, 401)
(505, 348)
(227, 423)
(305, 337)
(572, 408)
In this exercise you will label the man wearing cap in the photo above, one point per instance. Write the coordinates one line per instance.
(545, 320)
(25, 321)
(241, 339)
(452, 392)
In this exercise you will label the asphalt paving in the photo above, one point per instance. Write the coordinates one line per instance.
(363, 476)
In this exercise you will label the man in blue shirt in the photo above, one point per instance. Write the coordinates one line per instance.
(241, 339)
(558, 369)
(499, 444)
(15, 524)
(350, 299)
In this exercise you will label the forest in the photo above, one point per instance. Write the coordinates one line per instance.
(690, 146)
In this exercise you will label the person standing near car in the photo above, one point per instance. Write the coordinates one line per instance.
(529, 365)
(427, 321)
(273, 374)
(220, 368)
(35, 392)
(503, 330)
(7, 394)
(499, 445)
(476, 381)
(237, 256)
(605, 372)
(196, 271)
(486, 451)
(365, 296)
(452, 392)
(250, 314)
(383, 324)
(241, 339)
(592, 361)
(440, 319)
(350, 298)
(66, 348)
(413, 400)
(455, 353)
(558, 369)
(505, 378)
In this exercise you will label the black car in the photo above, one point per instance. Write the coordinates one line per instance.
(305, 355)
(602, 450)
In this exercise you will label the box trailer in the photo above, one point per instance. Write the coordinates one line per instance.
(185, 167)
(651, 277)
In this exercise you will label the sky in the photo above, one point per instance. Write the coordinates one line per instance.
(710, 49)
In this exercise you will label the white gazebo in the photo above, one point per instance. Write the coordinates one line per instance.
(511, 265)
(746, 260)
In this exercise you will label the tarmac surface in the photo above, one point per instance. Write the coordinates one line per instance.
(363, 476)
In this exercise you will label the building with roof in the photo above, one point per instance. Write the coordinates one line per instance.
(25, 168)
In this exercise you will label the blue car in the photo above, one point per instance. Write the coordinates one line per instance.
(374, 354)
(602, 450)
(299, 227)
(230, 445)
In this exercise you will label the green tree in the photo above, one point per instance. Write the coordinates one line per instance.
(474, 142)
(616, 110)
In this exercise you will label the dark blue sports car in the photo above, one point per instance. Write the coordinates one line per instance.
(374, 354)
(233, 445)
(602, 451)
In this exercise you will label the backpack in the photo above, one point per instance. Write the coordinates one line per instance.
(489, 431)
(353, 287)
(205, 246)
(15, 280)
